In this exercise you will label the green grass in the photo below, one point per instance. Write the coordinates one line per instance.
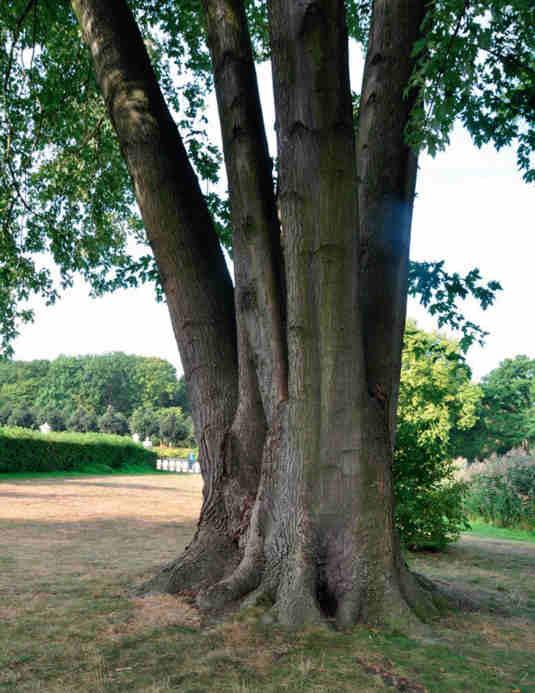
(90, 469)
(482, 529)
(70, 622)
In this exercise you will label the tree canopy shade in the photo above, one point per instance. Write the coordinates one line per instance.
(293, 372)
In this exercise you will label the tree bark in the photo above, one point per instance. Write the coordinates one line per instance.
(256, 233)
(387, 170)
(197, 287)
(293, 390)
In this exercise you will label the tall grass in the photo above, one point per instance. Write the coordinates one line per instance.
(502, 490)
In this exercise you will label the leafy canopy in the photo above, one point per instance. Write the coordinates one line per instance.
(66, 204)
(506, 412)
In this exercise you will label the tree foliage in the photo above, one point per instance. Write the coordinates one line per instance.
(81, 388)
(64, 188)
(476, 62)
(436, 400)
(506, 412)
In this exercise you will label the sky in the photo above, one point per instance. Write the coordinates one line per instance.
(472, 209)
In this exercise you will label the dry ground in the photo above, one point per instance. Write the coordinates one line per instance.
(71, 548)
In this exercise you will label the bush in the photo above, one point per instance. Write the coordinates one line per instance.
(503, 493)
(183, 453)
(27, 451)
(430, 518)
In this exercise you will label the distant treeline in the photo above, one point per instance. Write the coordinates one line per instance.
(105, 393)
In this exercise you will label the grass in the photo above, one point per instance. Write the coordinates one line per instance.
(72, 548)
(90, 469)
(481, 529)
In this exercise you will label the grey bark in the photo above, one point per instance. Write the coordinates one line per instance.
(195, 279)
(301, 377)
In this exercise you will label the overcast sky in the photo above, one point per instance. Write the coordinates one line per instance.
(472, 209)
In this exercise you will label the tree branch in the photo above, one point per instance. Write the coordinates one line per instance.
(256, 231)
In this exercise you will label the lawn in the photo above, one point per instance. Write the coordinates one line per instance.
(71, 549)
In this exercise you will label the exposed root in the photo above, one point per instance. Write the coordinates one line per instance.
(205, 561)
(243, 580)
(297, 605)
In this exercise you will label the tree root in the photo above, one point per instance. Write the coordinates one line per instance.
(205, 561)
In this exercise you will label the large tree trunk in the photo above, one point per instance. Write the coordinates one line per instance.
(197, 288)
(322, 536)
(293, 391)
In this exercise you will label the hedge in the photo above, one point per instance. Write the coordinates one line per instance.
(23, 450)
(182, 453)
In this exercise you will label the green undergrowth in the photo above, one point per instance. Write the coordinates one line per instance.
(482, 529)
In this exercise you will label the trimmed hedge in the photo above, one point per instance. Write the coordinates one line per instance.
(23, 450)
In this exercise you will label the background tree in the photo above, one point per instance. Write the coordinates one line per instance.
(113, 422)
(173, 427)
(506, 412)
(67, 383)
(436, 400)
(25, 418)
(83, 420)
(54, 418)
(144, 422)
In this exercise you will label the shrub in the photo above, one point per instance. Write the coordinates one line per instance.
(503, 492)
(183, 453)
(28, 451)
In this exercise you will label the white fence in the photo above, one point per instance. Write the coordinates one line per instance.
(176, 464)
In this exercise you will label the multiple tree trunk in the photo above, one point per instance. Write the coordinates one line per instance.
(293, 373)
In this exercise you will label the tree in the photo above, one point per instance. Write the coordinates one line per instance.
(113, 422)
(67, 383)
(25, 418)
(54, 418)
(144, 422)
(293, 373)
(507, 410)
(436, 401)
(174, 429)
(83, 420)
